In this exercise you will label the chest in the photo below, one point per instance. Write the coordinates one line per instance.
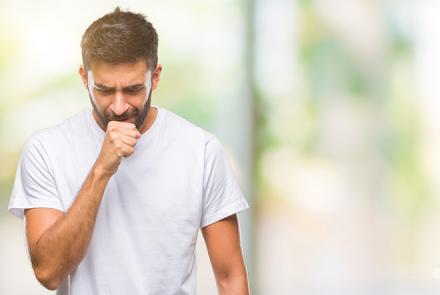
(162, 180)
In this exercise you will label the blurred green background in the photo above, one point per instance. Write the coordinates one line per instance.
(329, 111)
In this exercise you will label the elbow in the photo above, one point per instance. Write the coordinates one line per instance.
(233, 283)
(47, 279)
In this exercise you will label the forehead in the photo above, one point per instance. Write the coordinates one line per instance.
(119, 74)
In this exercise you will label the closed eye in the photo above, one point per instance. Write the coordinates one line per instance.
(105, 91)
(129, 90)
(134, 90)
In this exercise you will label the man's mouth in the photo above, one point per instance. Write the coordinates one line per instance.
(123, 119)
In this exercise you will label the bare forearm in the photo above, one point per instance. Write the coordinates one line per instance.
(63, 245)
(233, 285)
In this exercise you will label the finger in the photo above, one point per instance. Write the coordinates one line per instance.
(131, 133)
(116, 124)
(128, 140)
(116, 132)
(125, 150)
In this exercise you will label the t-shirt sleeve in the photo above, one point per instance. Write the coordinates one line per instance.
(222, 195)
(34, 185)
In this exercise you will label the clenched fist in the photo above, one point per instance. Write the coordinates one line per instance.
(120, 139)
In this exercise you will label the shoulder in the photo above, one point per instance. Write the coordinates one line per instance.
(184, 130)
(57, 135)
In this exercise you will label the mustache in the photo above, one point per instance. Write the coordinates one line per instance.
(127, 115)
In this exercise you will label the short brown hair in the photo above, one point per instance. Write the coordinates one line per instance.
(120, 37)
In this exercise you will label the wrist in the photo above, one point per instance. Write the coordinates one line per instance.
(99, 173)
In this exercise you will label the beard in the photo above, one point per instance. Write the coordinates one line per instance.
(139, 115)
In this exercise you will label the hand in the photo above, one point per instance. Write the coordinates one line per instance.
(120, 139)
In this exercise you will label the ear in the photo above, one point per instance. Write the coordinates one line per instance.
(156, 76)
(83, 73)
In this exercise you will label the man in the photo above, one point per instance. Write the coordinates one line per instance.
(114, 196)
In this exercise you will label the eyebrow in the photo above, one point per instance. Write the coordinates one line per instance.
(126, 88)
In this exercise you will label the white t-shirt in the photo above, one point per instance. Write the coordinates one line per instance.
(177, 181)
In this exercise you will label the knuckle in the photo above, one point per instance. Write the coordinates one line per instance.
(111, 125)
(113, 135)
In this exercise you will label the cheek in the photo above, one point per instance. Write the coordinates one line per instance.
(103, 104)
(136, 104)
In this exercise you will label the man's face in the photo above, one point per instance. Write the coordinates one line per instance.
(120, 92)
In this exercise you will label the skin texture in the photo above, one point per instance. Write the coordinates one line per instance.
(58, 241)
(222, 240)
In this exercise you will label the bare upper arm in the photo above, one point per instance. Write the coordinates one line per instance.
(222, 240)
(38, 220)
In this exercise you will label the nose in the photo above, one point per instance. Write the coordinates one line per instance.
(119, 105)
